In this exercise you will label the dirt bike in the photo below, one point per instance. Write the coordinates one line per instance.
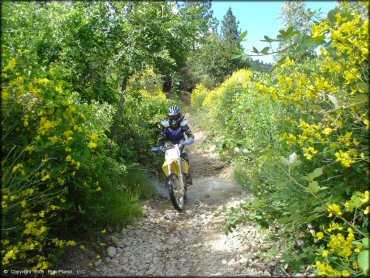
(175, 168)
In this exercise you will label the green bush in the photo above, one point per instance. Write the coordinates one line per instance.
(300, 140)
(57, 171)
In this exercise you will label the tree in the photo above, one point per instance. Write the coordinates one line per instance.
(213, 61)
(295, 15)
(229, 27)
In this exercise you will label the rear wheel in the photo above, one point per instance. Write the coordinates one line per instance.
(176, 191)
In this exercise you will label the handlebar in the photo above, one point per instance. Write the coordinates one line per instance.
(167, 146)
(157, 149)
(163, 148)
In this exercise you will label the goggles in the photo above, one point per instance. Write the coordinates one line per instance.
(174, 117)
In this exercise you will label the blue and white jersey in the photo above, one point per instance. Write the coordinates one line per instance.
(174, 135)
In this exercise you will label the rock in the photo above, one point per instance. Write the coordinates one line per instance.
(170, 216)
(250, 256)
(115, 240)
(115, 262)
(111, 251)
(98, 262)
(150, 271)
(256, 264)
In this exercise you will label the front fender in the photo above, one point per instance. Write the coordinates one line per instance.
(174, 165)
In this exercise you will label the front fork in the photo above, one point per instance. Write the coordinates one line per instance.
(181, 176)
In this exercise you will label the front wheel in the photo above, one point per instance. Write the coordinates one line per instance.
(177, 191)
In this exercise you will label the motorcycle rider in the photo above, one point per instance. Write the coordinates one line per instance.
(174, 129)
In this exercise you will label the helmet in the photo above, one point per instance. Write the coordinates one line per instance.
(174, 116)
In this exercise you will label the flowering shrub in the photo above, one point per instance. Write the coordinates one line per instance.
(243, 112)
(343, 246)
(54, 169)
(305, 148)
(197, 96)
(145, 106)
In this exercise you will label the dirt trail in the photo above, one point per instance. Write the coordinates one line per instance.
(192, 243)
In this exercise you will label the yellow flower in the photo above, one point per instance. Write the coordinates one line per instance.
(327, 131)
(68, 149)
(334, 208)
(5, 94)
(94, 136)
(10, 65)
(344, 158)
(320, 235)
(71, 243)
(16, 167)
(366, 199)
(82, 247)
(358, 248)
(334, 226)
(42, 81)
(366, 211)
(23, 203)
(29, 149)
(68, 134)
(103, 231)
(69, 158)
(11, 254)
(366, 122)
(53, 139)
(325, 253)
(308, 152)
(351, 236)
(14, 197)
(59, 89)
(52, 207)
(92, 145)
(42, 213)
(46, 177)
(61, 181)
(97, 256)
(352, 75)
(345, 273)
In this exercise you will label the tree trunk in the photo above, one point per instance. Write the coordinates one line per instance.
(120, 107)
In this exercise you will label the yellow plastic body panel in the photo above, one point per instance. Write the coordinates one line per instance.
(175, 167)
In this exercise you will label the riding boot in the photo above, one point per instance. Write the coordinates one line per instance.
(189, 179)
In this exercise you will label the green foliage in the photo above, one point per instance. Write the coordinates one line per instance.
(56, 162)
(64, 64)
(301, 151)
(145, 106)
(139, 182)
(214, 60)
(212, 63)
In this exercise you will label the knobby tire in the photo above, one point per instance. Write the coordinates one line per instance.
(172, 180)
